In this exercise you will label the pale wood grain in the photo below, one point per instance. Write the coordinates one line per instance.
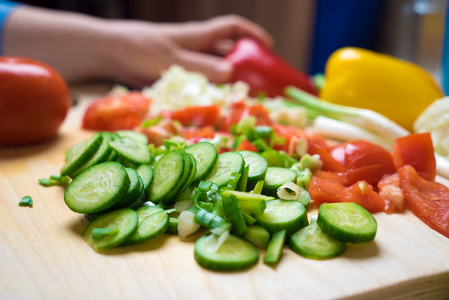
(43, 257)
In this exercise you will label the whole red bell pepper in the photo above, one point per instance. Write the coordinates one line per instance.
(265, 71)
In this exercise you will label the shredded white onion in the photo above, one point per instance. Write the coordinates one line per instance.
(186, 225)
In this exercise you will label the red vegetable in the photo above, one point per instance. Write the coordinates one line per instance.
(264, 71)
(240, 110)
(198, 116)
(361, 160)
(34, 100)
(323, 190)
(115, 112)
(417, 151)
(428, 200)
(362, 193)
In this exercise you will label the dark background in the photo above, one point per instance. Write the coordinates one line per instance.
(306, 32)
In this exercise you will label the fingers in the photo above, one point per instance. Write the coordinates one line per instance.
(235, 27)
(214, 67)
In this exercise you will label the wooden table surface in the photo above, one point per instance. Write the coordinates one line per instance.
(43, 257)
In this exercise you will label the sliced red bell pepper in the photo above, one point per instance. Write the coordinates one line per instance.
(265, 71)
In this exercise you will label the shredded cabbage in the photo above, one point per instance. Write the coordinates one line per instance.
(178, 88)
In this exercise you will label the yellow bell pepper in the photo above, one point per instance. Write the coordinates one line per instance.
(398, 89)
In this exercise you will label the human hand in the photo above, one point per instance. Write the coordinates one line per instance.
(139, 51)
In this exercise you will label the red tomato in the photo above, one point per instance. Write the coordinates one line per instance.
(34, 101)
(417, 151)
(115, 112)
(198, 116)
(240, 110)
(362, 193)
(362, 153)
(363, 160)
(324, 190)
(196, 134)
(317, 145)
(428, 200)
(246, 146)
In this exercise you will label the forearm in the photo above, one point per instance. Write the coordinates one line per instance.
(72, 43)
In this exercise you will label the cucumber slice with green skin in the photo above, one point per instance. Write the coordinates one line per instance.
(283, 214)
(172, 226)
(134, 135)
(130, 150)
(153, 221)
(275, 178)
(258, 166)
(227, 163)
(146, 173)
(258, 236)
(234, 254)
(80, 154)
(206, 157)
(274, 249)
(125, 220)
(168, 172)
(187, 178)
(347, 222)
(97, 188)
(139, 201)
(312, 242)
(101, 155)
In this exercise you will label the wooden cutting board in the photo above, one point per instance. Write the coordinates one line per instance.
(43, 257)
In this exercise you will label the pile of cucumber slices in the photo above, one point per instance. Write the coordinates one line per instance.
(130, 192)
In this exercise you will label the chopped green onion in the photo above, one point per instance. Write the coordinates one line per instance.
(304, 198)
(54, 180)
(258, 187)
(289, 191)
(274, 249)
(367, 119)
(99, 233)
(151, 122)
(243, 182)
(26, 201)
(234, 215)
(264, 132)
(319, 79)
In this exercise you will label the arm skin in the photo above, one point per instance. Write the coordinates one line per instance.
(82, 47)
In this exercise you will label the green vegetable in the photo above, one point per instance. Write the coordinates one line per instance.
(233, 254)
(347, 222)
(26, 201)
(312, 242)
(364, 118)
(274, 249)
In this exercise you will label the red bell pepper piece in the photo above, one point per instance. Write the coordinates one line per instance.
(264, 71)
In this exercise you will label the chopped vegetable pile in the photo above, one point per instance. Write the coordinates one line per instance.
(245, 174)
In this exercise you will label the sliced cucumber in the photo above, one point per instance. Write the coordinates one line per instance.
(227, 163)
(124, 220)
(131, 150)
(275, 178)
(258, 166)
(97, 188)
(206, 156)
(234, 254)
(153, 221)
(134, 135)
(186, 179)
(347, 222)
(168, 172)
(312, 242)
(80, 154)
(146, 173)
(101, 155)
(283, 214)
(275, 247)
(258, 236)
